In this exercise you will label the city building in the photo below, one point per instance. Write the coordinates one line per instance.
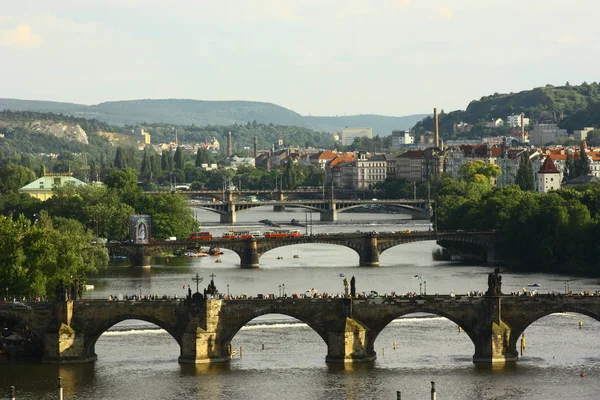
(542, 134)
(582, 134)
(235, 162)
(349, 134)
(42, 187)
(517, 121)
(548, 177)
(401, 139)
(409, 166)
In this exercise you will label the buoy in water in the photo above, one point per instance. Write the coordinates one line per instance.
(580, 324)
(582, 374)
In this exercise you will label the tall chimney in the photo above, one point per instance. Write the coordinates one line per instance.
(522, 127)
(255, 146)
(229, 145)
(436, 129)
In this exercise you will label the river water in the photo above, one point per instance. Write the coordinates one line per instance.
(136, 360)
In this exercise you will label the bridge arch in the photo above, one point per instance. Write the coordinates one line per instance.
(94, 331)
(414, 333)
(15, 320)
(275, 337)
(229, 332)
(378, 326)
(267, 248)
(519, 325)
(558, 334)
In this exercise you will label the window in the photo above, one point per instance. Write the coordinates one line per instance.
(57, 181)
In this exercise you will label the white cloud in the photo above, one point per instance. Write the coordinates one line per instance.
(446, 13)
(20, 37)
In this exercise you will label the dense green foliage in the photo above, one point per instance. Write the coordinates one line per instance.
(578, 105)
(36, 256)
(242, 135)
(554, 232)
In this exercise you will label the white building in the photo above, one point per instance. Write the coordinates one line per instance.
(235, 161)
(582, 134)
(495, 123)
(548, 177)
(402, 138)
(546, 133)
(368, 171)
(349, 134)
(514, 121)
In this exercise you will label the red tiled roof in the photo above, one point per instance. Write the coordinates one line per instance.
(548, 167)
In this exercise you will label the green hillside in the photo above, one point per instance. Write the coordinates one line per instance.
(573, 107)
(199, 112)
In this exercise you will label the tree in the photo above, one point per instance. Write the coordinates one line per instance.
(524, 176)
(202, 157)
(37, 256)
(120, 161)
(479, 171)
(179, 158)
(14, 177)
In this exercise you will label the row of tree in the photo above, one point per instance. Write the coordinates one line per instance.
(554, 232)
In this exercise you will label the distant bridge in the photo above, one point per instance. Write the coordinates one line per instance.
(369, 246)
(327, 209)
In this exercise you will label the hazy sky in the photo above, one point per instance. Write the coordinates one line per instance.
(318, 57)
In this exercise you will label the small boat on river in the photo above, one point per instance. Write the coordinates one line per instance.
(534, 285)
(215, 251)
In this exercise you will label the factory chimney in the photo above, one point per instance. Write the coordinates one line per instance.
(229, 145)
(436, 129)
(255, 146)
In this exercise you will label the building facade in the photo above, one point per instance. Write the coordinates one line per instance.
(401, 139)
(349, 134)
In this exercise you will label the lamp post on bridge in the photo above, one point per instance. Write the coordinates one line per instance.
(283, 289)
(279, 290)
(420, 288)
(140, 291)
(425, 288)
(228, 290)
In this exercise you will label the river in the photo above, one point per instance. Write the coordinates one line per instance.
(136, 360)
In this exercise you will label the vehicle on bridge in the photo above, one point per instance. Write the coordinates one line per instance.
(242, 235)
(201, 236)
(282, 233)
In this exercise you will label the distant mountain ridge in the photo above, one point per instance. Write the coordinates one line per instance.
(204, 112)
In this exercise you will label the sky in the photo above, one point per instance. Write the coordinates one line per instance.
(316, 57)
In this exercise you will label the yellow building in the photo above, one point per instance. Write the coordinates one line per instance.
(41, 188)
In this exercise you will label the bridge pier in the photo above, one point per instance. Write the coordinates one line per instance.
(350, 345)
(230, 215)
(330, 214)
(250, 256)
(202, 344)
(493, 344)
(140, 260)
(279, 197)
(369, 256)
(62, 344)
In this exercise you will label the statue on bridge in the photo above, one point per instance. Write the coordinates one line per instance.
(346, 293)
(494, 283)
(353, 287)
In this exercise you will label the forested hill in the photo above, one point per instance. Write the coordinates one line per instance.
(573, 107)
(199, 112)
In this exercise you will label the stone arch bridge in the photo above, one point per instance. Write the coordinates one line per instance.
(67, 331)
(369, 246)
